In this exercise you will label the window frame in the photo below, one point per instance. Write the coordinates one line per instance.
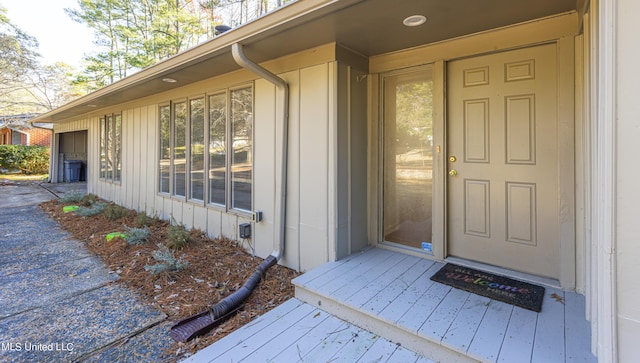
(110, 134)
(227, 206)
(160, 151)
(189, 148)
(173, 140)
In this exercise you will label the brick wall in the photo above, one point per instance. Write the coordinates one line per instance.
(40, 137)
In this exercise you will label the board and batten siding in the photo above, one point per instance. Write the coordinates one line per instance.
(311, 223)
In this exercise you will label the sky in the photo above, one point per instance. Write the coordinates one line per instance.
(61, 39)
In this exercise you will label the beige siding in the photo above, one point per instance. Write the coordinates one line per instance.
(313, 227)
(264, 165)
(314, 166)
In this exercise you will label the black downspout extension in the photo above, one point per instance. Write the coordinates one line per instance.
(199, 324)
(236, 299)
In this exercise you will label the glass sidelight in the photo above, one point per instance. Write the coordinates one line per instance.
(408, 157)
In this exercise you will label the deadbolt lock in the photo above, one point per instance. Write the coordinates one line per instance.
(453, 172)
(452, 159)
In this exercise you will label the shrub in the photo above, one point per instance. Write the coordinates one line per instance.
(177, 235)
(167, 261)
(72, 197)
(26, 159)
(113, 212)
(136, 236)
(88, 200)
(142, 219)
(94, 209)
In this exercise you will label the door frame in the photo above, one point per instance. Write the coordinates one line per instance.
(560, 30)
(438, 176)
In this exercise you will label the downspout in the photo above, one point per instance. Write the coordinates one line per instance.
(281, 189)
(201, 323)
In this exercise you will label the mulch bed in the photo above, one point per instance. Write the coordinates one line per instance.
(216, 269)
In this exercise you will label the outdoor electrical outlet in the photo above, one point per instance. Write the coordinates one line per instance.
(245, 230)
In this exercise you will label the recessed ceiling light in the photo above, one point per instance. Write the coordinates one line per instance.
(169, 80)
(414, 20)
(92, 105)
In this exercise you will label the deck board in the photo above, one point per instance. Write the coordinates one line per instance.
(518, 341)
(351, 284)
(310, 340)
(264, 336)
(382, 306)
(402, 303)
(443, 316)
(395, 287)
(381, 351)
(577, 329)
(490, 335)
(417, 314)
(394, 269)
(356, 347)
(332, 344)
(549, 340)
(464, 326)
(285, 336)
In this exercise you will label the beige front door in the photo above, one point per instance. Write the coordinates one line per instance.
(503, 162)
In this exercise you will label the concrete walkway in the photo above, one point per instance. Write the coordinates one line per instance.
(58, 302)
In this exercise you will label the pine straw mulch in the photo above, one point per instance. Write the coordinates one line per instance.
(216, 269)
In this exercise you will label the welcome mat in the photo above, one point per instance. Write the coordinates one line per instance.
(518, 293)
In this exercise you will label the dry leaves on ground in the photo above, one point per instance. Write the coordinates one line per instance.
(216, 269)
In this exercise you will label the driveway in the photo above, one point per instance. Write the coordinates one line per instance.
(58, 302)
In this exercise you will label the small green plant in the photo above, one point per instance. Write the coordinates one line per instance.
(95, 209)
(136, 236)
(88, 200)
(143, 220)
(166, 261)
(72, 197)
(114, 212)
(177, 235)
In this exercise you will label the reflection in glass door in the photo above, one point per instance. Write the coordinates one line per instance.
(408, 158)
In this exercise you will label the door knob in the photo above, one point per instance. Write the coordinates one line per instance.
(453, 172)
(452, 159)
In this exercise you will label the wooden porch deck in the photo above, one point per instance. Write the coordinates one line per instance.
(381, 306)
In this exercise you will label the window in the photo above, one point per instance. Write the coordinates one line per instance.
(179, 157)
(217, 148)
(196, 150)
(220, 174)
(242, 146)
(165, 148)
(110, 147)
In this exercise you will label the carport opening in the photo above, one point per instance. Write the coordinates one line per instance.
(72, 157)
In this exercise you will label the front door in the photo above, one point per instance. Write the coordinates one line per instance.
(503, 162)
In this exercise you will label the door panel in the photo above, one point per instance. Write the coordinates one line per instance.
(502, 188)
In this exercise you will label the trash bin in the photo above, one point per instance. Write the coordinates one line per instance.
(72, 170)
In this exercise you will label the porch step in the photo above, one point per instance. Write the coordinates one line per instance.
(391, 295)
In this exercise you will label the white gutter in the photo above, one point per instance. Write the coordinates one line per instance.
(281, 188)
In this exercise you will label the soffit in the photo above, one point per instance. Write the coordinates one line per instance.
(369, 27)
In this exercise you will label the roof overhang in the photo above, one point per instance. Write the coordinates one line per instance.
(367, 27)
